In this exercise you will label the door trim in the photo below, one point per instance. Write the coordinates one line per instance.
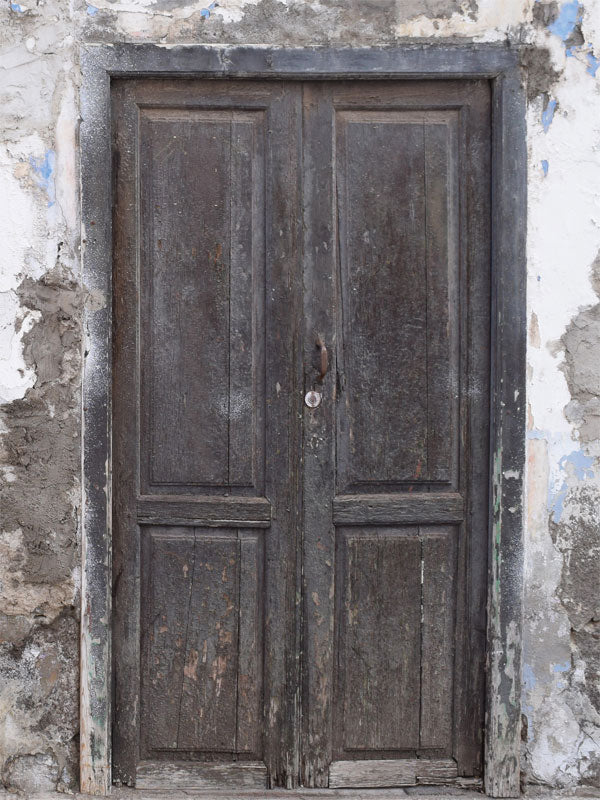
(499, 64)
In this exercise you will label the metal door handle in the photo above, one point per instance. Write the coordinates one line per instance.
(324, 359)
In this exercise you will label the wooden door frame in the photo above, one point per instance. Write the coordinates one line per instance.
(423, 60)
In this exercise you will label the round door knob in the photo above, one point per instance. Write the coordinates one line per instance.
(312, 399)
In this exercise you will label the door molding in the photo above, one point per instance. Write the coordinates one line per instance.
(499, 64)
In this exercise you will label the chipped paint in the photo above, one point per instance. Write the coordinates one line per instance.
(548, 115)
(568, 17)
(593, 64)
(44, 171)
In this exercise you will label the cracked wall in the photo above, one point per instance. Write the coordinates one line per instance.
(42, 297)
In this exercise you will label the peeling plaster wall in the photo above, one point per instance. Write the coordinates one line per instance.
(42, 297)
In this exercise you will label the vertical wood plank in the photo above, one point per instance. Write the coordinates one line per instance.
(95, 706)
(250, 718)
(381, 216)
(207, 717)
(167, 568)
(476, 269)
(125, 442)
(246, 298)
(283, 313)
(318, 453)
(505, 601)
(380, 640)
(438, 623)
(444, 295)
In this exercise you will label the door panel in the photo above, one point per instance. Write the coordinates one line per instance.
(205, 372)
(396, 455)
(202, 248)
(397, 215)
(202, 649)
(299, 593)
(379, 642)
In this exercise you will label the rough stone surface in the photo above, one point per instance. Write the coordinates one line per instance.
(42, 298)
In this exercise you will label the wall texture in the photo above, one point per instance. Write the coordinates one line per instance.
(42, 297)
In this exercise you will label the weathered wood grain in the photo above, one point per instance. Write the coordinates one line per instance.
(400, 509)
(249, 690)
(379, 641)
(374, 774)
(208, 705)
(247, 511)
(166, 777)
(168, 564)
(395, 282)
(438, 621)
(398, 274)
(497, 63)
(318, 442)
(193, 415)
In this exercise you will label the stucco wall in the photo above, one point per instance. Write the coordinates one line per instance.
(41, 301)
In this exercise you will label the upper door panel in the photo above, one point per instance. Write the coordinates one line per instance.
(397, 215)
(202, 299)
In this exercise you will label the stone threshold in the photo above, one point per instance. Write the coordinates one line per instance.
(414, 792)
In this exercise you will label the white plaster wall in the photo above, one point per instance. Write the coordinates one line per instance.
(39, 228)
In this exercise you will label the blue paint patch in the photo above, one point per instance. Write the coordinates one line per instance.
(205, 12)
(548, 115)
(44, 169)
(529, 680)
(556, 502)
(593, 64)
(545, 166)
(582, 466)
(561, 667)
(92, 11)
(568, 17)
(18, 8)
(536, 433)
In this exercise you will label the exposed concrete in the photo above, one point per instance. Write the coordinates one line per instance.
(41, 301)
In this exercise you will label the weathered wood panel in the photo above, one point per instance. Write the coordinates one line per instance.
(165, 777)
(399, 509)
(198, 237)
(379, 645)
(202, 634)
(398, 254)
(168, 565)
(373, 774)
(202, 245)
(209, 680)
(217, 511)
(438, 622)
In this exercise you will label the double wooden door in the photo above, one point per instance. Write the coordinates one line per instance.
(300, 579)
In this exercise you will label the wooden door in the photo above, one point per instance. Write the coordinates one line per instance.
(206, 433)
(300, 589)
(397, 265)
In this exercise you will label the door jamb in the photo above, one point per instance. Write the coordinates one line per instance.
(423, 60)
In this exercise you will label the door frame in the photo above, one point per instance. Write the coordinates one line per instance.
(423, 60)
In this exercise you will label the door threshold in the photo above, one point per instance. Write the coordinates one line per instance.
(415, 792)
